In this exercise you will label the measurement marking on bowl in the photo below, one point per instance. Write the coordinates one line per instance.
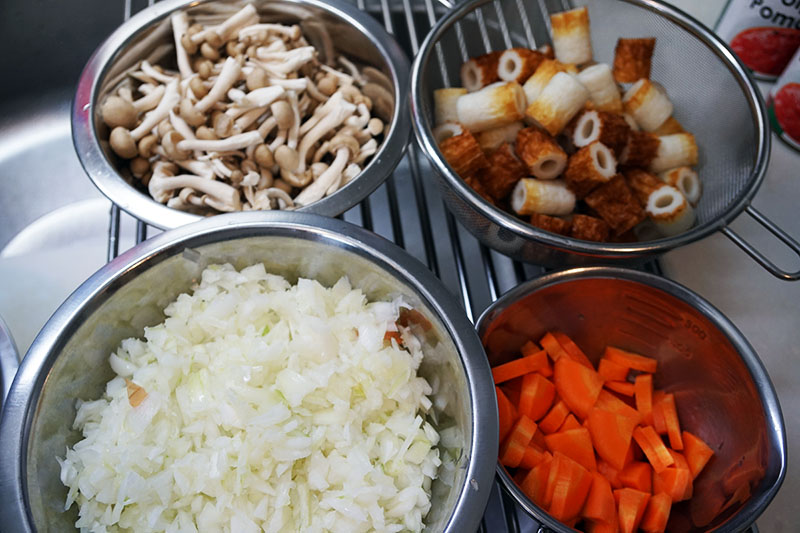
(652, 319)
(661, 309)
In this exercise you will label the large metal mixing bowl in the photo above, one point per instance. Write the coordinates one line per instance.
(68, 360)
(721, 388)
(148, 35)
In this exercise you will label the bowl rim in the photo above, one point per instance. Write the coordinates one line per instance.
(23, 399)
(424, 137)
(110, 182)
(766, 391)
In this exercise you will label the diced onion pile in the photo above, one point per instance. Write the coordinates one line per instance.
(260, 405)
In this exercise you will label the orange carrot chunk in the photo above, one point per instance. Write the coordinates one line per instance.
(643, 393)
(609, 402)
(519, 367)
(653, 448)
(570, 488)
(536, 396)
(529, 348)
(552, 347)
(673, 481)
(671, 420)
(637, 475)
(575, 444)
(657, 514)
(697, 453)
(600, 504)
(622, 387)
(659, 420)
(523, 431)
(631, 360)
(532, 457)
(577, 385)
(631, 505)
(554, 418)
(611, 435)
(535, 483)
(512, 452)
(570, 423)
(506, 414)
(572, 350)
(682, 464)
(610, 473)
(612, 371)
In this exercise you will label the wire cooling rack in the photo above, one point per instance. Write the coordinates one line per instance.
(408, 210)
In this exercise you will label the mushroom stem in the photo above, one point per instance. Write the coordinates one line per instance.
(180, 25)
(149, 100)
(339, 110)
(244, 17)
(163, 183)
(294, 129)
(168, 101)
(290, 32)
(152, 72)
(227, 77)
(199, 168)
(247, 119)
(317, 190)
(234, 142)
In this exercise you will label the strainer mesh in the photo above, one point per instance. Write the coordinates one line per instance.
(709, 101)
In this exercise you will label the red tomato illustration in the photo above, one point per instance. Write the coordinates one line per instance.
(786, 104)
(766, 50)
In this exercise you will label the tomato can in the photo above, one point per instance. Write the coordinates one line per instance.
(763, 33)
(783, 104)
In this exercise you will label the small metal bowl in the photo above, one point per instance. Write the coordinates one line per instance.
(721, 388)
(734, 144)
(68, 359)
(149, 34)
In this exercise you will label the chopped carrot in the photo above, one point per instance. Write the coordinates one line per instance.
(569, 487)
(577, 385)
(575, 444)
(631, 505)
(523, 431)
(622, 387)
(529, 348)
(512, 452)
(674, 482)
(536, 396)
(512, 388)
(671, 420)
(572, 349)
(657, 514)
(637, 475)
(652, 446)
(600, 504)
(681, 464)
(547, 371)
(612, 371)
(659, 420)
(519, 367)
(552, 347)
(643, 393)
(538, 439)
(570, 423)
(532, 457)
(554, 418)
(631, 360)
(535, 483)
(506, 414)
(611, 435)
(608, 402)
(389, 335)
(697, 453)
(610, 473)
(601, 527)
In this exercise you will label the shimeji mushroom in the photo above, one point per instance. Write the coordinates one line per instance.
(253, 111)
(164, 182)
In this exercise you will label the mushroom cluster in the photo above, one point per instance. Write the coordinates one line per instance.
(253, 118)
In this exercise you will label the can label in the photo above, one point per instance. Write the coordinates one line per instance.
(763, 33)
(783, 104)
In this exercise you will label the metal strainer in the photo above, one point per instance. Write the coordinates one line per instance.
(713, 95)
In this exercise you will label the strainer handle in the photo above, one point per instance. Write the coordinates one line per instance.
(759, 257)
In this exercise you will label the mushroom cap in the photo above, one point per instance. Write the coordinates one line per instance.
(116, 111)
(122, 143)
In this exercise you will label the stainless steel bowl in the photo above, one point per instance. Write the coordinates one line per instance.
(68, 360)
(721, 388)
(724, 111)
(149, 34)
